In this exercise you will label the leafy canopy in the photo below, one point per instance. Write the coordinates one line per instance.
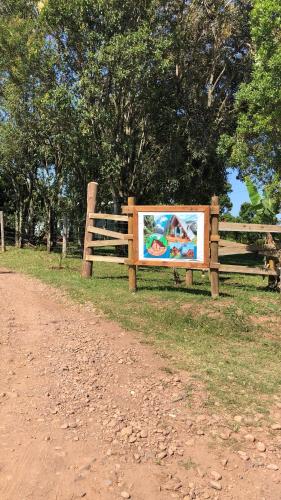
(255, 148)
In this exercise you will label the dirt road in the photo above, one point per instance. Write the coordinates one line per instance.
(89, 411)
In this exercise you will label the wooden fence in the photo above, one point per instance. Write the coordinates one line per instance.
(217, 247)
(116, 238)
(227, 247)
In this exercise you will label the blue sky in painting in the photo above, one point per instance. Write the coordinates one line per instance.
(162, 220)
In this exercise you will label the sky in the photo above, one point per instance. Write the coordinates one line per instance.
(239, 192)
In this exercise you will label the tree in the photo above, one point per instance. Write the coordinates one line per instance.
(40, 143)
(155, 86)
(17, 161)
(211, 59)
(255, 148)
(133, 94)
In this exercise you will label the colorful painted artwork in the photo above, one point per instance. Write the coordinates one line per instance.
(171, 236)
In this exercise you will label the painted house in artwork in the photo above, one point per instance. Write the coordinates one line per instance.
(177, 230)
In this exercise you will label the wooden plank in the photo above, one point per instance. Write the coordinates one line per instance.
(172, 208)
(214, 247)
(214, 237)
(120, 218)
(189, 277)
(215, 210)
(107, 258)
(207, 232)
(107, 243)
(182, 264)
(233, 251)
(165, 208)
(132, 270)
(110, 234)
(249, 228)
(214, 265)
(227, 247)
(232, 244)
(225, 268)
(87, 268)
(127, 210)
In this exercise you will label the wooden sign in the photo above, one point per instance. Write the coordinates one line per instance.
(171, 236)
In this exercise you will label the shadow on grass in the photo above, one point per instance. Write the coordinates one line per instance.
(110, 277)
(189, 291)
(253, 287)
(152, 269)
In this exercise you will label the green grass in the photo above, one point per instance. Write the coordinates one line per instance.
(232, 344)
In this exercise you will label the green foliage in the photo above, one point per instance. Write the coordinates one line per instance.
(247, 213)
(149, 224)
(255, 148)
(132, 94)
(253, 193)
(264, 208)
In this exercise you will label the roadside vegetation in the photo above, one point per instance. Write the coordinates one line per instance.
(231, 345)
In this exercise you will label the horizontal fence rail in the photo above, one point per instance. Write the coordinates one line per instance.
(227, 247)
(110, 234)
(107, 258)
(228, 268)
(119, 218)
(107, 243)
(224, 251)
(249, 228)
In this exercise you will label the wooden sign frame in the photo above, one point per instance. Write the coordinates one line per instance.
(188, 264)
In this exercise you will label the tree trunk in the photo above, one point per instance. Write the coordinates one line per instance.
(120, 251)
(49, 229)
(64, 236)
(16, 230)
(116, 205)
(30, 223)
(54, 229)
(2, 231)
(18, 227)
(78, 235)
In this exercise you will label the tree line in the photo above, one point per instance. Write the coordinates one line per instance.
(153, 99)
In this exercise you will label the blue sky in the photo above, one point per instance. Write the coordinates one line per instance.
(239, 192)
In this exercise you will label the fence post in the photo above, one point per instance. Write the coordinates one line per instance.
(189, 277)
(270, 261)
(87, 268)
(132, 272)
(3, 248)
(64, 236)
(214, 271)
(271, 264)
